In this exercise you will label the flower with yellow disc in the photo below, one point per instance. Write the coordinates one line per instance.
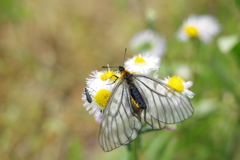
(180, 85)
(202, 27)
(142, 63)
(100, 95)
(99, 86)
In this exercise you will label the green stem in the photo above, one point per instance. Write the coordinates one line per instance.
(146, 128)
(133, 152)
(198, 55)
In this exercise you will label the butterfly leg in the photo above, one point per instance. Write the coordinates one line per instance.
(114, 80)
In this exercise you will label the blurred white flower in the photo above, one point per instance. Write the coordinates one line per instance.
(148, 41)
(142, 63)
(202, 27)
(184, 72)
(180, 85)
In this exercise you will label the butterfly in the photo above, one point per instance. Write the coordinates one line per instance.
(136, 99)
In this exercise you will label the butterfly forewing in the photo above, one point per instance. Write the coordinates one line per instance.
(163, 102)
(120, 124)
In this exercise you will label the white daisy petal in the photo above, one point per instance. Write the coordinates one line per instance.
(188, 84)
(148, 41)
(189, 93)
(166, 79)
(208, 27)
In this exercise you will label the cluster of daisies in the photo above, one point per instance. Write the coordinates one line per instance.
(150, 47)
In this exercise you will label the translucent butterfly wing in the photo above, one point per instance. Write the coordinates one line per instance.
(120, 125)
(154, 123)
(163, 102)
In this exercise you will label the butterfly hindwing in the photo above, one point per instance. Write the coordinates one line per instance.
(154, 123)
(163, 102)
(120, 125)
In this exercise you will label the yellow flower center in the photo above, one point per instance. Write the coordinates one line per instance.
(108, 75)
(102, 96)
(139, 60)
(176, 83)
(191, 31)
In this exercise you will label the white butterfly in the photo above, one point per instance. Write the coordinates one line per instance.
(135, 99)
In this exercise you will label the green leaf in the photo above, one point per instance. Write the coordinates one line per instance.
(237, 3)
(236, 52)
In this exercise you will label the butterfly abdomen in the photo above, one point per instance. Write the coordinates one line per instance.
(135, 94)
(137, 97)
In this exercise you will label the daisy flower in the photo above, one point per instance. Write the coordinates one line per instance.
(142, 63)
(180, 85)
(100, 95)
(148, 41)
(202, 27)
(99, 88)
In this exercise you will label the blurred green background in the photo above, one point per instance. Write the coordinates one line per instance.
(48, 48)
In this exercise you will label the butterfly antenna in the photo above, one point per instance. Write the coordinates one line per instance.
(125, 52)
(108, 67)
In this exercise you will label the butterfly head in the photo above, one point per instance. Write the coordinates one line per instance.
(121, 68)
